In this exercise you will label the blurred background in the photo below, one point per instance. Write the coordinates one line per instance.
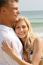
(33, 9)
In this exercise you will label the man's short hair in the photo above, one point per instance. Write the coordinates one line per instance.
(3, 2)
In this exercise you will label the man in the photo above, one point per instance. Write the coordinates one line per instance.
(8, 14)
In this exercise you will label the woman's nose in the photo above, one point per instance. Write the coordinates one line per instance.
(21, 29)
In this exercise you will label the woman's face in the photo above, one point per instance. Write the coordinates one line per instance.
(21, 29)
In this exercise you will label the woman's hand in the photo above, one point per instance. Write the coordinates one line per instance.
(9, 51)
(6, 47)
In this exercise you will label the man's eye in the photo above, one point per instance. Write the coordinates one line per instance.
(15, 8)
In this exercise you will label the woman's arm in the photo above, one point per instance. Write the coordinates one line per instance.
(36, 52)
(11, 53)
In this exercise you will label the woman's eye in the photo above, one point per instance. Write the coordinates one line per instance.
(17, 27)
(23, 26)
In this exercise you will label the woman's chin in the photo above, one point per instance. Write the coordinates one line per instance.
(21, 36)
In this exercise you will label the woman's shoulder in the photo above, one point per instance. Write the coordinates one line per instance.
(38, 44)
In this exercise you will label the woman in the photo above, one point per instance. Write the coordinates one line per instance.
(23, 30)
(31, 43)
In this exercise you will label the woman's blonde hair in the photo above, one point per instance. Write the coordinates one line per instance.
(28, 23)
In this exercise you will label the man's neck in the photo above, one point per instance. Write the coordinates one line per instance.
(5, 22)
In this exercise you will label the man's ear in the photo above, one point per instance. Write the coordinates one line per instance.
(3, 10)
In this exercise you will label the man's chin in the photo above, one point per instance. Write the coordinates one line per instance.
(18, 17)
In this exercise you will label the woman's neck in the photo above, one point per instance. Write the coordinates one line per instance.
(24, 39)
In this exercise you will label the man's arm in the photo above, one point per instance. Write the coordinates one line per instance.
(12, 54)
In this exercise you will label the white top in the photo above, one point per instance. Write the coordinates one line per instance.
(8, 33)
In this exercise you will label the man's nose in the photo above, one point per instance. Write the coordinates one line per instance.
(18, 11)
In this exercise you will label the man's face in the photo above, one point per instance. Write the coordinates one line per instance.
(11, 12)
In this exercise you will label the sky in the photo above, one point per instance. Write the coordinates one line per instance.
(31, 5)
